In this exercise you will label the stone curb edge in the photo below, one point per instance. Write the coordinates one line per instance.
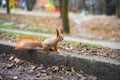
(105, 69)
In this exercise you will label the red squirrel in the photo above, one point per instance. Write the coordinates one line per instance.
(47, 44)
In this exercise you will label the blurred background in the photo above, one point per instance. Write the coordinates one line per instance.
(90, 19)
(81, 6)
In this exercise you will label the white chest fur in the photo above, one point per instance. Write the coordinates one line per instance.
(49, 42)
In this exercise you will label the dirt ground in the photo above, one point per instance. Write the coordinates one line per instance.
(13, 68)
(85, 49)
(107, 27)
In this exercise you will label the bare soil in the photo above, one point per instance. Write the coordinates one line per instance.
(107, 27)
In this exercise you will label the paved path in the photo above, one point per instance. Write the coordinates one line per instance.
(80, 25)
(109, 44)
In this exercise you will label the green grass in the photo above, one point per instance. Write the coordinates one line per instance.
(7, 26)
(27, 28)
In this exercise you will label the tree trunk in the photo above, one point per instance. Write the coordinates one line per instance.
(93, 7)
(110, 7)
(103, 6)
(8, 8)
(118, 8)
(29, 5)
(65, 20)
(84, 4)
(60, 7)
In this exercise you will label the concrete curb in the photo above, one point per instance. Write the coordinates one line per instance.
(105, 69)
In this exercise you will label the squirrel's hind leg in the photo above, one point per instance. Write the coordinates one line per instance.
(46, 49)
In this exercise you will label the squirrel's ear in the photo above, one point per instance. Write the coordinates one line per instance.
(62, 30)
(57, 32)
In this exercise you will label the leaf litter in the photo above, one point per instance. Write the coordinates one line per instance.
(12, 69)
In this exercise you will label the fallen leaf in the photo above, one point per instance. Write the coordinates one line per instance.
(1, 78)
(15, 78)
(11, 58)
(30, 71)
(38, 75)
(55, 68)
(72, 69)
(10, 66)
(16, 60)
(33, 67)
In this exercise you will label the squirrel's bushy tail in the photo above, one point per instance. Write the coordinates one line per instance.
(28, 43)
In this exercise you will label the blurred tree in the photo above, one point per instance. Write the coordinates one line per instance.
(0, 2)
(93, 6)
(84, 4)
(110, 7)
(118, 8)
(103, 6)
(30, 4)
(8, 8)
(65, 20)
(60, 7)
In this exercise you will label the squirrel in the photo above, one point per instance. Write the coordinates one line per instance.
(47, 44)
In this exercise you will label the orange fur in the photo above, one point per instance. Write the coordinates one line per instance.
(28, 43)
